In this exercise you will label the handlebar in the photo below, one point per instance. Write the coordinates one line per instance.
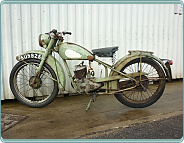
(64, 32)
(59, 34)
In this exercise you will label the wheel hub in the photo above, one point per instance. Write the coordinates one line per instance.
(36, 84)
(143, 84)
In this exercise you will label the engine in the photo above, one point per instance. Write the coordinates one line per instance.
(84, 79)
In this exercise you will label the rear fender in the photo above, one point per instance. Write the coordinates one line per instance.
(134, 55)
(51, 61)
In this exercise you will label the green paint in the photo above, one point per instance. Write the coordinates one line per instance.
(70, 76)
(114, 70)
(51, 61)
(70, 51)
(134, 55)
(44, 39)
(126, 59)
(106, 79)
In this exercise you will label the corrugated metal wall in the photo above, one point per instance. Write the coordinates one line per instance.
(152, 27)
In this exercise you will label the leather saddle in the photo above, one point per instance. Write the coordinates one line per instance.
(105, 52)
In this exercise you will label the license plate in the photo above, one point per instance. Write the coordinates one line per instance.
(30, 56)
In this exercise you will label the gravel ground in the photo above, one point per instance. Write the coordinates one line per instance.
(171, 128)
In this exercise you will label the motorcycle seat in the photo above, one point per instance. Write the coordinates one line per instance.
(105, 52)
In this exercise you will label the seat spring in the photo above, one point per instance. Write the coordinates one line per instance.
(113, 59)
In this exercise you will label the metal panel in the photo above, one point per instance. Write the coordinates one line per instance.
(152, 27)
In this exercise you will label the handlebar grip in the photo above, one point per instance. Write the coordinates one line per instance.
(70, 33)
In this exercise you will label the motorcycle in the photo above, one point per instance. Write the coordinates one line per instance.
(137, 80)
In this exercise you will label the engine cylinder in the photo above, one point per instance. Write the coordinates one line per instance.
(80, 71)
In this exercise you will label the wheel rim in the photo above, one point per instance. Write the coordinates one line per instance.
(151, 83)
(29, 93)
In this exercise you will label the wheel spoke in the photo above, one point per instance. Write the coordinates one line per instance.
(24, 76)
(129, 69)
(143, 67)
(27, 90)
(144, 95)
(22, 86)
(152, 71)
(151, 82)
(41, 91)
(132, 68)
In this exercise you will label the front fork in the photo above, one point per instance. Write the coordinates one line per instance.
(43, 59)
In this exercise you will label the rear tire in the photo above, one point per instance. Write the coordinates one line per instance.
(154, 83)
(40, 95)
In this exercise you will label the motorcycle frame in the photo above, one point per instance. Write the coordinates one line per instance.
(110, 82)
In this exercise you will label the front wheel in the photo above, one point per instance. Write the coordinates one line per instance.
(37, 95)
(151, 85)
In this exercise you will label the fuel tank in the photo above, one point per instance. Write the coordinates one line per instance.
(71, 51)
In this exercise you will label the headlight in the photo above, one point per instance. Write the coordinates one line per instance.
(44, 39)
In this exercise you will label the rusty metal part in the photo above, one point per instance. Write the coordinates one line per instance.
(137, 54)
(71, 51)
(17, 58)
(90, 68)
(34, 79)
(53, 63)
(143, 84)
(44, 39)
(69, 59)
(35, 82)
(40, 41)
(91, 58)
(80, 71)
(125, 84)
(85, 85)
(40, 72)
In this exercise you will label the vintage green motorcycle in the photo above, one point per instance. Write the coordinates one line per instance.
(137, 80)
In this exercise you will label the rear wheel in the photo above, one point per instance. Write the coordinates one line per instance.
(151, 85)
(38, 94)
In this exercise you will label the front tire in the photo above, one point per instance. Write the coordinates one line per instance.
(42, 93)
(153, 84)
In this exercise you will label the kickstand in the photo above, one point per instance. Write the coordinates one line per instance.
(93, 99)
(89, 104)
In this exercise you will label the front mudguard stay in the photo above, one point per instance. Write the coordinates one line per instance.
(52, 62)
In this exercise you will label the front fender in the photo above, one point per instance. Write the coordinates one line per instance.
(51, 61)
